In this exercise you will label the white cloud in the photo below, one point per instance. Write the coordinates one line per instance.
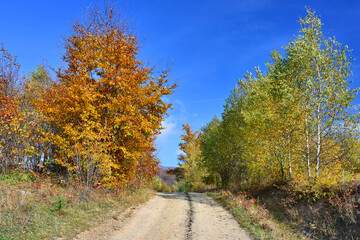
(181, 105)
(165, 99)
(179, 152)
(170, 128)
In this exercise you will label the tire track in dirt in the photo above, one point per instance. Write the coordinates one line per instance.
(189, 216)
(189, 220)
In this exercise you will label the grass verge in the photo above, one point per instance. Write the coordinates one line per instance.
(34, 207)
(253, 217)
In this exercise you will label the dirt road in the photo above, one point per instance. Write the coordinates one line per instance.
(180, 216)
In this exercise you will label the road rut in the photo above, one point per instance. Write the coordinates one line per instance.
(188, 216)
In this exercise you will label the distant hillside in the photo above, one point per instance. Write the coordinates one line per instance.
(165, 168)
(168, 179)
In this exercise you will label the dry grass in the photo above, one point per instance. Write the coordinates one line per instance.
(34, 207)
(336, 217)
(332, 214)
(254, 217)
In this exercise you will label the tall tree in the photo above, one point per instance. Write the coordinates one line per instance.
(34, 128)
(106, 104)
(320, 66)
(190, 158)
(213, 152)
(9, 77)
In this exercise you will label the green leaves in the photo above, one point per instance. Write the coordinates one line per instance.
(294, 122)
(190, 146)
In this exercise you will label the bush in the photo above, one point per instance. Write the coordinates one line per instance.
(165, 187)
(174, 188)
(157, 184)
(182, 187)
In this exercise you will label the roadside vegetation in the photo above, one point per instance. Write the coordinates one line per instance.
(38, 207)
(75, 145)
(254, 217)
(289, 137)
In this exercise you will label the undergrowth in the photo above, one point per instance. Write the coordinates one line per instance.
(292, 211)
(334, 216)
(254, 217)
(37, 207)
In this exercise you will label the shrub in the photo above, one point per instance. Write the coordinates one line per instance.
(165, 187)
(182, 187)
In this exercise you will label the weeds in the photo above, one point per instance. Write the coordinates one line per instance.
(38, 208)
(254, 217)
(330, 214)
(59, 205)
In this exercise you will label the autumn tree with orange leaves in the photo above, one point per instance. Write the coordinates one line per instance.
(190, 158)
(9, 75)
(106, 106)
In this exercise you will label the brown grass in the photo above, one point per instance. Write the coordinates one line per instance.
(254, 217)
(38, 207)
(335, 215)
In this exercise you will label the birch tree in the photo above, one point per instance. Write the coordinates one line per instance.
(321, 67)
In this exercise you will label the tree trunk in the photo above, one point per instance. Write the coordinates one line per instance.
(318, 122)
(289, 157)
(290, 169)
(318, 144)
(307, 149)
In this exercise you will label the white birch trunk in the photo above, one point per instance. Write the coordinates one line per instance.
(307, 149)
(318, 144)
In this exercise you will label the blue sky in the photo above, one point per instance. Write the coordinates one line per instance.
(210, 44)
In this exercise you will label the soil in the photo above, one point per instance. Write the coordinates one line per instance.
(188, 216)
(181, 216)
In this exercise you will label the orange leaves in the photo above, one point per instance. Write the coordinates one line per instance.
(8, 76)
(9, 106)
(106, 97)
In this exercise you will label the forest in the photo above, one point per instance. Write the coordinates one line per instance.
(294, 125)
(97, 119)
